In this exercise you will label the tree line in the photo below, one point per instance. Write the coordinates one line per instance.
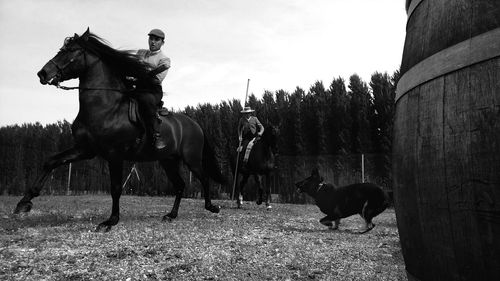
(345, 131)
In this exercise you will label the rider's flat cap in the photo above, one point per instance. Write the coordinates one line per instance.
(157, 33)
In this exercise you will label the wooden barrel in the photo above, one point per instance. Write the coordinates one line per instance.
(446, 149)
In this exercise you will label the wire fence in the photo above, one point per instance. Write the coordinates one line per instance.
(149, 179)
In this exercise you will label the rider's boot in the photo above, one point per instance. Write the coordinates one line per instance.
(158, 141)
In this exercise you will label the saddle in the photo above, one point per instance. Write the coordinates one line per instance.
(134, 114)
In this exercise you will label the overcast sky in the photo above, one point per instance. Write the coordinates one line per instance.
(214, 46)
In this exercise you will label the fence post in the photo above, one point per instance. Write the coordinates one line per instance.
(362, 167)
(69, 180)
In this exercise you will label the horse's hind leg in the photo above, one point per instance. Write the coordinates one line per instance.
(65, 157)
(116, 175)
(203, 177)
(268, 192)
(172, 170)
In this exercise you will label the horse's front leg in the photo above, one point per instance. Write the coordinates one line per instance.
(239, 193)
(258, 179)
(65, 157)
(116, 174)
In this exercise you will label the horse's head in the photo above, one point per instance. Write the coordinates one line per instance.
(68, 62)
(270, 137)
(80, 53)
(310, 184)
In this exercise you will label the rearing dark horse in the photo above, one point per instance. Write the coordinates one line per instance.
(103, 127)
(261, 162)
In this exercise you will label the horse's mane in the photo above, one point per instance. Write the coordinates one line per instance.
(122, 62)
(269, 135)
(269, 130)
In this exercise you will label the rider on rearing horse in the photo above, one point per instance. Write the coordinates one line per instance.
(247, 127)
(151, 97)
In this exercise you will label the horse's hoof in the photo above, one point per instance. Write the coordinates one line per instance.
(269, 208)
(106, 225)
(103, 227)
(259, 202)
(23, 207)
(169, 217)
(213, 208)
(367, 229)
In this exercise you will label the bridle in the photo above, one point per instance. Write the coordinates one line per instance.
(60, 70)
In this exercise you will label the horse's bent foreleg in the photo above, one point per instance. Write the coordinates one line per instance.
(65, 157)
(172, 171)
(116, 174)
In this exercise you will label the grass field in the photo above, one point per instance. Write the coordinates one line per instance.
(56, 242)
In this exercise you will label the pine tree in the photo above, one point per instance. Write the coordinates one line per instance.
(360, 111)
(339, 120)
(381, 123)
(320, 111)
(269, 114)
(295, 122)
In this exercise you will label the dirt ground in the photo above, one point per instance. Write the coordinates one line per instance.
(56, 241)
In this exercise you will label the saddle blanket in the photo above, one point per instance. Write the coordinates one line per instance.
(247, 151)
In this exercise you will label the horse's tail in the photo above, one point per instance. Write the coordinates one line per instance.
(211, 164)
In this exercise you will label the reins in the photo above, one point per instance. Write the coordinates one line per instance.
(83, 51)
(93, 89)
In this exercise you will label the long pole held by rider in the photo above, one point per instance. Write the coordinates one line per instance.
(239, 145)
